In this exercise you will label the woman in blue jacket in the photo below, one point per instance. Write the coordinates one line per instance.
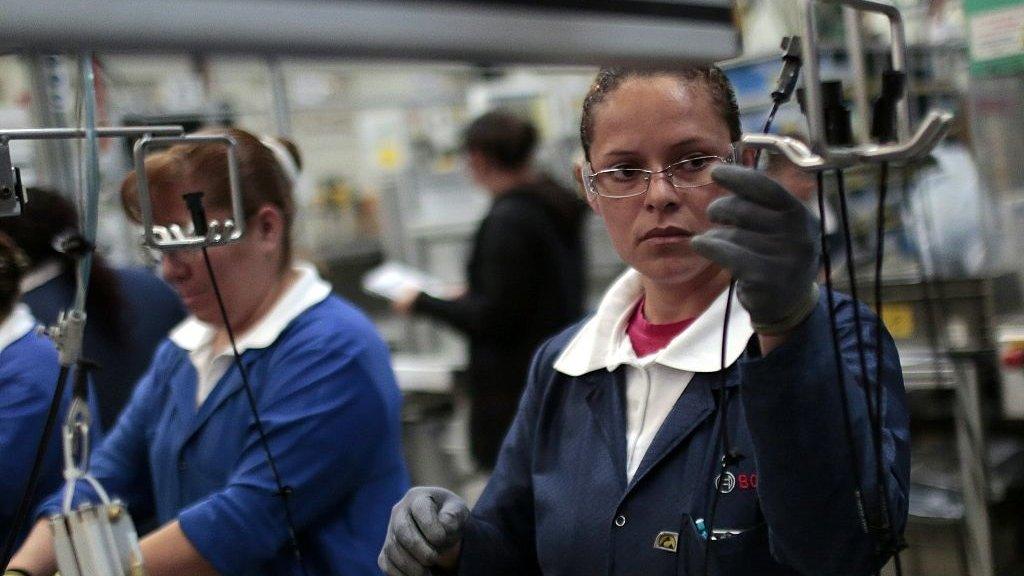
(612, 463)
(187, 446)
(28, 378)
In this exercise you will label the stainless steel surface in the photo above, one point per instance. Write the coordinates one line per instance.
(928, 135)
(97, 540)
(528, 32)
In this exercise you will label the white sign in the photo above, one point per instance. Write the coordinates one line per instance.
(997, 34)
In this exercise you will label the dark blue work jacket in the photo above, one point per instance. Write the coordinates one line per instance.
(559, 504)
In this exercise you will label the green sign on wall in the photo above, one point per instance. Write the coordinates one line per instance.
(995, 33)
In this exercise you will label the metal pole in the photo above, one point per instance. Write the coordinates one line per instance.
(279, 89)
(78, 133)
(899, 62)
(56, 168)
(812, 83)
(970, 439)
(855, 51)
(89, 217)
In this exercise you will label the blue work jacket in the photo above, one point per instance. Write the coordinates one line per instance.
(28, 380)
(559, 504)
(331, 410)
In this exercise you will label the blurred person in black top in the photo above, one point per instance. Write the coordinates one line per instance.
(130, 310)
(526, 274)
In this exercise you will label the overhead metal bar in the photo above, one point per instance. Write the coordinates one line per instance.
(635, 32)
(76, 133)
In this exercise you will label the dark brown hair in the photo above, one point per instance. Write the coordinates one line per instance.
(263, 181)
(502, 137)
(711, 78)
(13, 264)
(46, 216)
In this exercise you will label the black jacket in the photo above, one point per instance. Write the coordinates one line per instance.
(526, 282)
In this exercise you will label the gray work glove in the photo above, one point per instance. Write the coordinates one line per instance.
(770, 243)
(424, 525)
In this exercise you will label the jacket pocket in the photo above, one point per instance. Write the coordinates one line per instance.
(741, 554)
(748, 552)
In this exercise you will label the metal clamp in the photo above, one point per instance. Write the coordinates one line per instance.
(818, 155)
(67, 335)
(75, 440)
(94, 538)
(174, 237)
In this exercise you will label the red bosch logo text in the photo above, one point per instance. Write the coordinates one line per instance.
(746, 481)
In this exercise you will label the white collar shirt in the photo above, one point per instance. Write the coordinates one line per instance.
(18, 323)
(211, 364)
(655, 382)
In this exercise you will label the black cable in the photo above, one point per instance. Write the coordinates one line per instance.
(730, 455)
(767, 128)
(784, 91)
(37, 466)
(826, 261)
(883, 523)
(283, 491)
(857, 323)
(852, 275)
(879, 255)
(883, 187)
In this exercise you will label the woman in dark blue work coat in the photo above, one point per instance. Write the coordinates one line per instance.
(187, 446)
(611, 464)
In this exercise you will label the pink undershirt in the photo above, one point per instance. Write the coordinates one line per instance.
(648, 338)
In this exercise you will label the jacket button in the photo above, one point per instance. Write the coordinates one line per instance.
(620, 520)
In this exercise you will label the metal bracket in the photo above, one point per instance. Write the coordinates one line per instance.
(174, 237)
(94, 538)
(11, 193)
(818, 155)
(67, 334)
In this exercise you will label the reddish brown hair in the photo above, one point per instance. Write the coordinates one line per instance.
(263, 182)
